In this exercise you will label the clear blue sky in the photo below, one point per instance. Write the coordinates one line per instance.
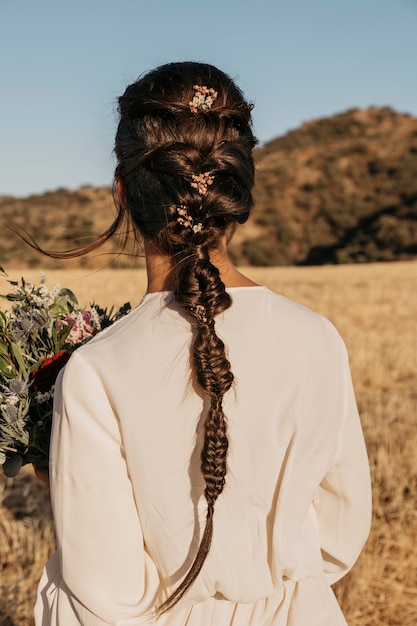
(64, 62)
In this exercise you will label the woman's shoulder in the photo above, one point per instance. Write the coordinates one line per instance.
(144, 329)
(138, 317)
(277, 327)
(277, 309)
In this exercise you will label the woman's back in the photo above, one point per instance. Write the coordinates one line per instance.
(291, 418)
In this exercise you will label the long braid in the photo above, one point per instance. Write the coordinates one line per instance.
(214, 376)
(184, 149)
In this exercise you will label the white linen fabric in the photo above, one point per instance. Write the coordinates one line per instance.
(127, 490)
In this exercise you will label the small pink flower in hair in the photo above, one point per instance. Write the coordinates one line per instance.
(184, 219)
(203, 98)
(201, 182)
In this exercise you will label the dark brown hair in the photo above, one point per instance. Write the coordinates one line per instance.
(160, 145)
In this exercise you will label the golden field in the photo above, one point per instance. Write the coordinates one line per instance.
(375, 309)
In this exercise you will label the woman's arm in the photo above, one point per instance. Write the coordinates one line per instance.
(344, 500)
(104, 567)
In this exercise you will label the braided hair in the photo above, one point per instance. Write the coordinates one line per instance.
(186, 174)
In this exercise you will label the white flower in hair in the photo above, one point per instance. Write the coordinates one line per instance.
(186, 220)
(203, 98)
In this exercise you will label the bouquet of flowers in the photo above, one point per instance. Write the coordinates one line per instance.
(38, 334)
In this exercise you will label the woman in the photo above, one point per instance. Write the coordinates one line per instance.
(166, 510)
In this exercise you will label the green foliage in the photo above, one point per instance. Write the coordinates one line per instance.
(37, 336)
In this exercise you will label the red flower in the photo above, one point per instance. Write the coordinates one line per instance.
(45, 376)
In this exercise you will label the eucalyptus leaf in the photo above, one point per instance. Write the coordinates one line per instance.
(68, 294)
(17, 355)
(6, 369)
(12, 465)
(124, 310)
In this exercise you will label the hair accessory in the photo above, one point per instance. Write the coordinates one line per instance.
(201, 182)
(200, 313)
(186, 220)
(203, 98)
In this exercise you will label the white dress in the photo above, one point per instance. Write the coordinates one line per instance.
(127, 487)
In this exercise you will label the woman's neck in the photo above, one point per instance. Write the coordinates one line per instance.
(162, 275)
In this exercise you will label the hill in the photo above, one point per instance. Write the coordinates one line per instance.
(57, 220)
(337, 190)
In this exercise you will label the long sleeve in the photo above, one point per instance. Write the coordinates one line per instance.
(343, 501)
(105, 570)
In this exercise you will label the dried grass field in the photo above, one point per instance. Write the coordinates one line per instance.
(374, 307)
